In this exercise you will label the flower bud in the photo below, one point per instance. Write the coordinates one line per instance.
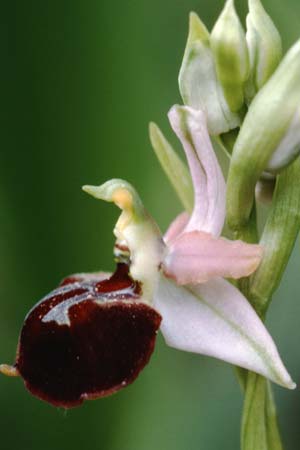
(230, 50)
(264, 44)
(269, 137)
(198, 83)
(288, 148)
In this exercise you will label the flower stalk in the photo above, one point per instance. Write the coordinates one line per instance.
(278, 237)
(259, 419)
(259, 422)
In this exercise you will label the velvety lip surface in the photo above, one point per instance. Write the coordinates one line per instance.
(86, 339)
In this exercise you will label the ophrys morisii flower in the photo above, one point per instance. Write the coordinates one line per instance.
(91, 336)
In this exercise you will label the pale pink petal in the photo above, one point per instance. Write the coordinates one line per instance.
(196, 257)
(176, 227)
(215, 319)
(209, 185)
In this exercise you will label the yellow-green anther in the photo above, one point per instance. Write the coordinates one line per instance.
(264, 44)
(267, 131)
(175, 169)
(198, 83)
(279, 236)
(228, 42)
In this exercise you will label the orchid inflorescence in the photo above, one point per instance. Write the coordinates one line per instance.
(208, 294)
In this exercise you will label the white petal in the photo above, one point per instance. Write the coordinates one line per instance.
(215, 319)
(208, 181)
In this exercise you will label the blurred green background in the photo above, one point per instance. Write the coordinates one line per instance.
(80, 81)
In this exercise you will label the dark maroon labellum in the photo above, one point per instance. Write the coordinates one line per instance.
(87, 339)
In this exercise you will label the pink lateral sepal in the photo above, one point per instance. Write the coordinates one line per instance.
(197, 257)
(176, 227)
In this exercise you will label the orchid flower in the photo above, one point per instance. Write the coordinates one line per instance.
(201, 311)
(91, 336)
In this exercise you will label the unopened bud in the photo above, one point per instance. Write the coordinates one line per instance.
(269, 138)
(198, 82)
(264, 44)
(288, 148)
(230, 50)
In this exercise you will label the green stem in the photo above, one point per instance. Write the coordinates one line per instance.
(273, 436)
(254, 430)
(278, 238)
(259, 425)
(259, 422)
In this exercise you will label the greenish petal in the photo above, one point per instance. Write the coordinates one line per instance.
(175, 169)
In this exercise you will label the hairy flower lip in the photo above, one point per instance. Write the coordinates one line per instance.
(100, 374)
(81, 346)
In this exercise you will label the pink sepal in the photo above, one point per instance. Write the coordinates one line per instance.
(196, 257)
(176, 227)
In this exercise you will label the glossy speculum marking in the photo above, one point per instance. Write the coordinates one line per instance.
(87, 339)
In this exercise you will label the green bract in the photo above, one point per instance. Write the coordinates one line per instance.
(198, 83)
(229, 46)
